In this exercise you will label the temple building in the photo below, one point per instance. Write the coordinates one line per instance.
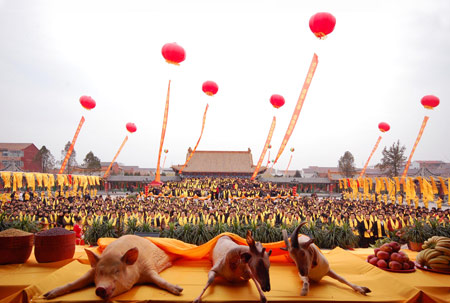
(219, 164)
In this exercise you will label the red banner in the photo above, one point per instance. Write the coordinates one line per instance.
(115, 157)
(72, 145)
(298, 107)
(163, 134)
(371, 154)
(266, 146)
(424, 123)
(198, 141)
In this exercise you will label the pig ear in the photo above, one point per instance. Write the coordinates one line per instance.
(269, 253)
(250, 240)
(286, 240)
(93, 257)
(245, 257)
(130, 256)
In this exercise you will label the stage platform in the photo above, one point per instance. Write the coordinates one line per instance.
(27, 282)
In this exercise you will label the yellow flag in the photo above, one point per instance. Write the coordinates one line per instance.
(444, 187)
(51, 180)
(18, 180)
(433, 186)
(38, 179)
(45, 181)
(97, 180)
(420, 184)
(6, 176)
(30, 180)
(75, 182)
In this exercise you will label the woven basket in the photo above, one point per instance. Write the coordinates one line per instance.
(54, 248)
(15, 250)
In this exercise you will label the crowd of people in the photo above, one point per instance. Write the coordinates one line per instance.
(218, 200)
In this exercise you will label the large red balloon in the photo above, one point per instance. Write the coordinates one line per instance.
(430, 101)
(277, 101)
(87, 102)
(383, 127)
(322, 24)
(210, 88)
(131, 127)
(173, 53)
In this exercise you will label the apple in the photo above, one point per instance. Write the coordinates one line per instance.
(395, 246)
(387, 248)
(395, 265)
(397, 257)
(376, 250)
(383, 255)
(370, 257)
(406, 265)
(411, 264)
(374, 261)
(382, 264)
(405, 256)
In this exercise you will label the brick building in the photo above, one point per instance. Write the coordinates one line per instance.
(21, 155)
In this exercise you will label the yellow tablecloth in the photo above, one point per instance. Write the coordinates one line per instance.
(27, 282)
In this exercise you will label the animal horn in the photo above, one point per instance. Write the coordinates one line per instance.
(294, 236)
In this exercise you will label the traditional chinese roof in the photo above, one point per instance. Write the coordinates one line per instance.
(220, 162)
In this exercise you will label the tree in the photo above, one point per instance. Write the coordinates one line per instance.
(72, 159)
(91, 162)
(393, 159)
(45, 157)
(347, 165)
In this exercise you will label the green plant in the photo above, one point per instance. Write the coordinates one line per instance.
(347, 239)
(25, 224)
(4, 223)
(418, 232)
(434, 228)
(99, 230)
(131, 226)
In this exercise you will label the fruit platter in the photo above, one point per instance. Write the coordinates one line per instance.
(435, 256)
(389, 257)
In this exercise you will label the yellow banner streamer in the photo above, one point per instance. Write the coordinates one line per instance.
(115, 157)
(72, 145)
(424, 123)
(163, 134)
(266, 146)
(198, 141)
(371, 154)
(298, 107)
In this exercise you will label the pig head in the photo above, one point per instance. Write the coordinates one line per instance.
(125, 262)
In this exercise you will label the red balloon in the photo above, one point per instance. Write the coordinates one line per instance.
(166, 151)
(277, 101)
(173, 53)
(210, 88)
(383, 127)
(322, 24)
(131, 127)
(430, 101)
(87, 102)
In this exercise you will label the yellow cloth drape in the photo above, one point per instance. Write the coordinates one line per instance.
(51, 180)
(433, 185)
(17, 180)
(30, 181)
(6, 176)
(38, 179)
(75, 182)
(444, 187)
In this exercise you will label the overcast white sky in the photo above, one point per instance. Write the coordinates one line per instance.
(381, 59)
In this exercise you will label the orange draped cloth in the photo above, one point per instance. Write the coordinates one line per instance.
(194, 252)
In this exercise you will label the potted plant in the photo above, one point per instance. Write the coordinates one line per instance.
(415, 235)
